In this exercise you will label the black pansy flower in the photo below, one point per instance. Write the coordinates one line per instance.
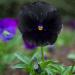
(40, 23)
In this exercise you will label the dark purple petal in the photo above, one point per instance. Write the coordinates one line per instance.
(29, 45)
(45, 57)
(72, 24)
(40, 14)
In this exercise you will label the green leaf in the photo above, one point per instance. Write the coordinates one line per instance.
(8, 58)
(56, 68)
(66, 71)
(18, 66)
(45, 63)
(23, 58)
(70, 67)
(37, 54)
(49, 71)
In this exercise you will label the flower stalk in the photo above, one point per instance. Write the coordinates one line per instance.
(42, 53)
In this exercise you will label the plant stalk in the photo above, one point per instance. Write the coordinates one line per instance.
(42, 53)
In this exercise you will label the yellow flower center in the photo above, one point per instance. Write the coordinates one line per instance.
(40, 28)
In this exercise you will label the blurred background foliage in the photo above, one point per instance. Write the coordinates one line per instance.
(66, 7)
(65, 42)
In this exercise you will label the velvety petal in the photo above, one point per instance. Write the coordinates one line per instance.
(1, 26)
(29, 45)
(9, 22)
(7, 29)
(11, 29)
(40, 14)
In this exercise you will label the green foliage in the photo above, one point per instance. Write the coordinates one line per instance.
(26, 63)
(66, 38)
(71, 56)
(6, 52)
(48, 67)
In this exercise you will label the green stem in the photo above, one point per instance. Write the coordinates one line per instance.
(42, 53)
